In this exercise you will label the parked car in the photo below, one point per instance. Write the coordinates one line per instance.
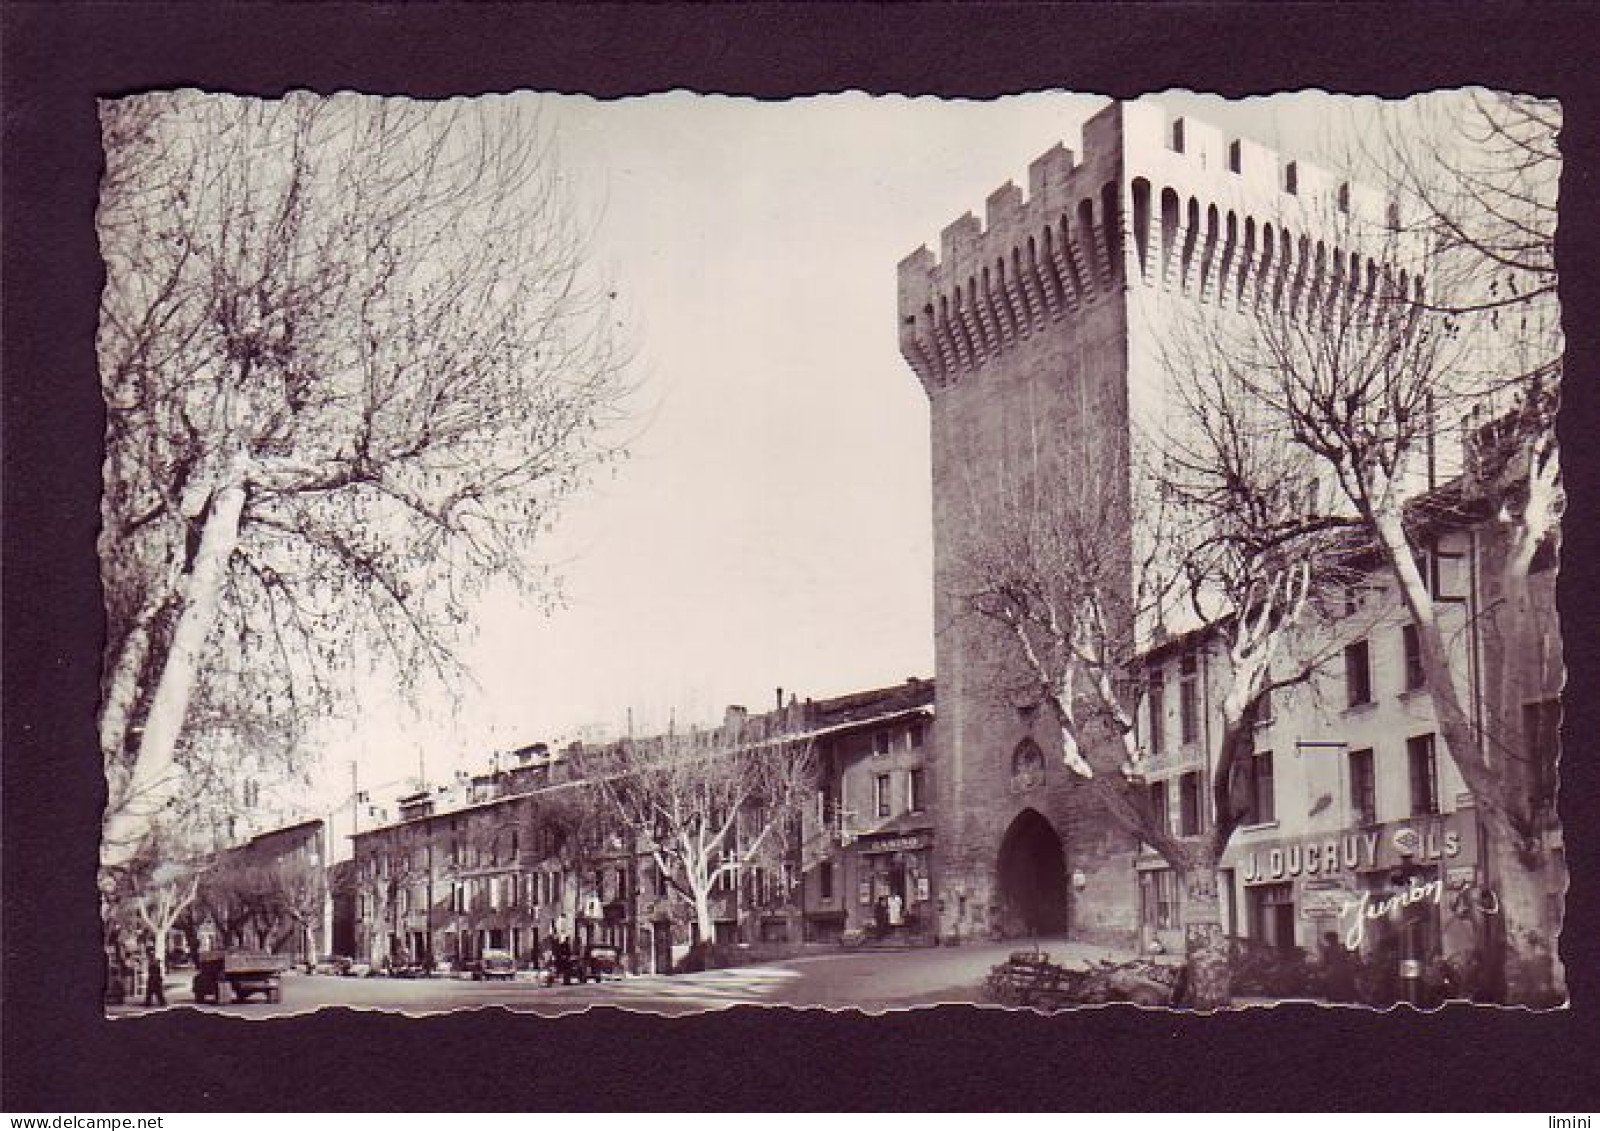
(494, 964)
(335, 964)
(600, 961)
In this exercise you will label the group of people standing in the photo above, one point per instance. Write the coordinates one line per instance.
(889, 912)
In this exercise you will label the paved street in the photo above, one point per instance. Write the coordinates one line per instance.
(872, 981)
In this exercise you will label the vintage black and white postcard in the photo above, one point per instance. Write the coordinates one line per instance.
(684, 551)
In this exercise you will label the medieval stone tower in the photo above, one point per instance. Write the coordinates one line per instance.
(1036, 328)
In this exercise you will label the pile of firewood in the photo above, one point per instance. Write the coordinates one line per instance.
(1029, 979)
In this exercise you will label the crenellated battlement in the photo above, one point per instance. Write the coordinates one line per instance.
(1155, 201)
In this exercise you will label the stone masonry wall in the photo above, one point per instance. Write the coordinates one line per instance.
(1035, 365)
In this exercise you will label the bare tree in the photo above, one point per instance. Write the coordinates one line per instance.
(296, 889)
(225, 898)
(706, 803)
(352, 369)
(1479, 172)
(1078, 593)
(1363, 363)
(1489, 200)
(152, 891)
(171, 890)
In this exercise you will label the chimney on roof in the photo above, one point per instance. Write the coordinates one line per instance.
(780, 698)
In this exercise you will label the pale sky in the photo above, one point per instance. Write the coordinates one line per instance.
(772, 528)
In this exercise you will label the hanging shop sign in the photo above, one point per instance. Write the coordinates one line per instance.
(1325, 903)
(907, 843)
(1426, 841)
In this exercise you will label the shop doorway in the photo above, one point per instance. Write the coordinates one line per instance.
(897, 882)
(1033, 878)
(1273, 915)
(662, 939)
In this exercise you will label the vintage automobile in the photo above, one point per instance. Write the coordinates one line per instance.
(494, 964)
(600, 961)
(335, 964)
(247, 974)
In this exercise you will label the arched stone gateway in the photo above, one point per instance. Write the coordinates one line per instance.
(1033, 880)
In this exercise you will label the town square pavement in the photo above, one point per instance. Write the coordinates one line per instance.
(873, 981)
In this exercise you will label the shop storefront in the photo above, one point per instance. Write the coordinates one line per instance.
(1391, 887)
(894, 883)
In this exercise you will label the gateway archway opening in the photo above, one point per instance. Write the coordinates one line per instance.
(1033, 878)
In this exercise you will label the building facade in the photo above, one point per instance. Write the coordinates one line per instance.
(270, 894)
(505, 860)
(869, 870)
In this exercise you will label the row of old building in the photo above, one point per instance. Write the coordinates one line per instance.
(526, 852)
(1349, 783)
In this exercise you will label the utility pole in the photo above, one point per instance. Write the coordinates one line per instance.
(327, 888)
(427, 958)
(632, 878)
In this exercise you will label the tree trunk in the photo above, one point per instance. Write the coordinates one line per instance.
(1506, 789)
(1527, 933)
(122, 688)
(151, 782)
(1460, 735)
(1205, 944)
(702, 917)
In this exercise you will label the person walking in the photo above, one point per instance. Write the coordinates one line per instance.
(155, 991)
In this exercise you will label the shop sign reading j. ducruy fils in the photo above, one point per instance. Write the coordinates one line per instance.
(1352, 851)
